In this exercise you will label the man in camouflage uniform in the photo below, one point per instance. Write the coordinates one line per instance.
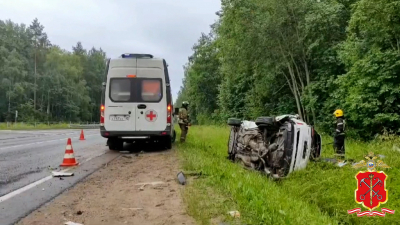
(338, 142)
(183, 120)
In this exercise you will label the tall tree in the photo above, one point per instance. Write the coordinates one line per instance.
(302, 56)
(40, 42)
(44, 82)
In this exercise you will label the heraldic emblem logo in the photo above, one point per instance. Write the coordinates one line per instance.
(371, 187)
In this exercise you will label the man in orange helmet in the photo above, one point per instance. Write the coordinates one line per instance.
(338, 142)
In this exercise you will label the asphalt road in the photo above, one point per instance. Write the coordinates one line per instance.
(29, 156)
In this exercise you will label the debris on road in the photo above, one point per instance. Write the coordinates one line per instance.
(151, 183)
(181, 178)
(194, 173)
(160, 204)
(142, 187)
(72, 223)
(235, 214)
(341, 164)
(79, 212)
(132, 209)
(51, 168)
(61, 174)
(155, 185)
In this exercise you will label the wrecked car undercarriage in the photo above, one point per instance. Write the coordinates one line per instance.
(275, 146)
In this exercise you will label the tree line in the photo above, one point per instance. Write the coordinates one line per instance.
(309, 57)
(44, 82)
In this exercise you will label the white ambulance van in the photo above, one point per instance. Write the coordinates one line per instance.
(136, 104)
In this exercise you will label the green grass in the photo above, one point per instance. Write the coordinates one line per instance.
(320, 194)
(30, 126)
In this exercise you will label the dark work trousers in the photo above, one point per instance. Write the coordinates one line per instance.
(184, 130)
(338, 144)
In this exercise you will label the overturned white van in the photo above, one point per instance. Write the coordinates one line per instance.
(137, 103)
(274, 145)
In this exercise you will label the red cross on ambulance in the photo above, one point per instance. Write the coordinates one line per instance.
(151, 115)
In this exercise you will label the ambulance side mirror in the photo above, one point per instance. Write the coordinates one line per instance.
(176, 111)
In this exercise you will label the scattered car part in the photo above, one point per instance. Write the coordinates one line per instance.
(235, 214)
(181, 178)
(61, 174)
(72, 223)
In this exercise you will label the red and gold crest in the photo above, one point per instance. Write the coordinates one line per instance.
(371, 187)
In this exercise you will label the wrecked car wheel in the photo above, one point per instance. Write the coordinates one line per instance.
(232, 144)
(316, 144)
(234, 122)
(265, 121)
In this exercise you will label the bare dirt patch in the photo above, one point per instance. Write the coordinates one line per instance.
(114, 195)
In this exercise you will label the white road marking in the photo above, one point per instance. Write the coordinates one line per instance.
(27, 187)
(41, 142)
(36, 183)
(88, 159)
(36, 132)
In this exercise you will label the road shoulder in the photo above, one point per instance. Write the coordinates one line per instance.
(112, 195)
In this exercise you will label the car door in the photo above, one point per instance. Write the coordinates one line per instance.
(303, 146)
(151, 110)
(120, 107)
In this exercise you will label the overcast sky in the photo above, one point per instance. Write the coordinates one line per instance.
(164, 28)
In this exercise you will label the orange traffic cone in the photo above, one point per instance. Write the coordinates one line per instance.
(69, 158)
(82, 137)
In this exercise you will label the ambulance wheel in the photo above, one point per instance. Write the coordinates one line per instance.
(173, 136)
(115, 144)
(168, 143)
(234, 122)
